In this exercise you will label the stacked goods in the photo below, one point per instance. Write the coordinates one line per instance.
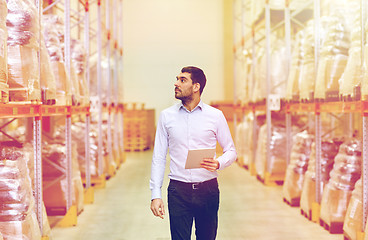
(334, 56)
(4, 88)
(79, 62)
(276, 170)
(365, 67)
(329, 149)
(244, 141)
(54, 39)
(55, 184)
(48, 82)
(78, 134)
(306, 84)
(354, 214)
(279, 69)
(17, 210)
(259, 93)
(23, 70)
(138, 134)
(299, 158)
(292, 88)
(337, 193)
(278, 72)
(351, 79)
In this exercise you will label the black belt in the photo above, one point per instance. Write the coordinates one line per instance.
(194, 185)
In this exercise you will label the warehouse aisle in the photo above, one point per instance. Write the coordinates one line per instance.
(248, 209)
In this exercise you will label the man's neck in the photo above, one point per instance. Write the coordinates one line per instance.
(190, 105)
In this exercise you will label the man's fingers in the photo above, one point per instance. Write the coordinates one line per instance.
(157, 208)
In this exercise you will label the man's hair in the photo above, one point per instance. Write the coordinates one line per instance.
(197, 76)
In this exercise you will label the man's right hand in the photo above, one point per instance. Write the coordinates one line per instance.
(158, 208)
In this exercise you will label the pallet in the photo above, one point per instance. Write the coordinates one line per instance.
(295, 202)
(333, 228)
(269, 180)
(306, 215)
(4, 93)
(359, 236)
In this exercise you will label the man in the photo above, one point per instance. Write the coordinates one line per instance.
(192, 193)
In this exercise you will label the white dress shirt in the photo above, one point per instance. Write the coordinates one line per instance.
(180, 130)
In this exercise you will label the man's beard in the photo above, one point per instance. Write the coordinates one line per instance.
(185, 98)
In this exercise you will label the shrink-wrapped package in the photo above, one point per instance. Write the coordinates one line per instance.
(55, 184)
(329, 149)
(242, 69)
(365, 72)
(23, 70)
(354, 214)
(104, 81)
(259, 91)
(3, 51)
(333, 58)
(48, 82)
(278, 73)
(299, 158)
(78, 134)
(17, 211)
(337, 193)
(277, 168)
(244, 140)
(79, 63)
(307, 73)
(54, 39)
(292, 87)
(351, 79)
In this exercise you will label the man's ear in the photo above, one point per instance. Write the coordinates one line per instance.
(196, 87)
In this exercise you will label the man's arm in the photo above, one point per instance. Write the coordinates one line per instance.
(158, 168)
(226, 142)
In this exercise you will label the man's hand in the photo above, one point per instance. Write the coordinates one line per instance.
(210, 164)
(158, 208)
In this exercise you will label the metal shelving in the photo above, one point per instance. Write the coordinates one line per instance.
(313, 108)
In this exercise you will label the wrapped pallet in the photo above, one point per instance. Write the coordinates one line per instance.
(244, 140)
(278, 73)
(17, 211)
(55, 184)
(23, 68)
(277, 168)
(364, 92)
(299, 158)
(54, 39)
(292, 87)
(307, 73)
(337, 193)
(351, 79)
(48, 82)
(354, 214)
(4, 88)
(329, 149)
(78, 134)
(79, 63)
(333, 58)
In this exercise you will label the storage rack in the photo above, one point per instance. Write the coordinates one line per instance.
(315, 108)
(75, 18)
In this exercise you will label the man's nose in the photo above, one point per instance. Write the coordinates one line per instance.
(176, 83)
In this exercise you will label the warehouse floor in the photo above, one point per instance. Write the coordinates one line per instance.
(248, 209)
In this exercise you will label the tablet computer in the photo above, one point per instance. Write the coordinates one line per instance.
(196, 156)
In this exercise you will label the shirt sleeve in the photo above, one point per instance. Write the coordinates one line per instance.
(159, 159)
(226, 142)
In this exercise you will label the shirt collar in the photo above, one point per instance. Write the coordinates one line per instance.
(199, 106)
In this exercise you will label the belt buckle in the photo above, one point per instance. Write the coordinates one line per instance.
(195, 186)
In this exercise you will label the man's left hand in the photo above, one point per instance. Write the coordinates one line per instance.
(210, 164)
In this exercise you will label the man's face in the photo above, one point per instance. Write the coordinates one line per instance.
(184, 86)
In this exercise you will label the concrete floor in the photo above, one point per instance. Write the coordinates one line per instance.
(248, 209)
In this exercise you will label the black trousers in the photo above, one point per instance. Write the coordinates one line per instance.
(191, 201)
